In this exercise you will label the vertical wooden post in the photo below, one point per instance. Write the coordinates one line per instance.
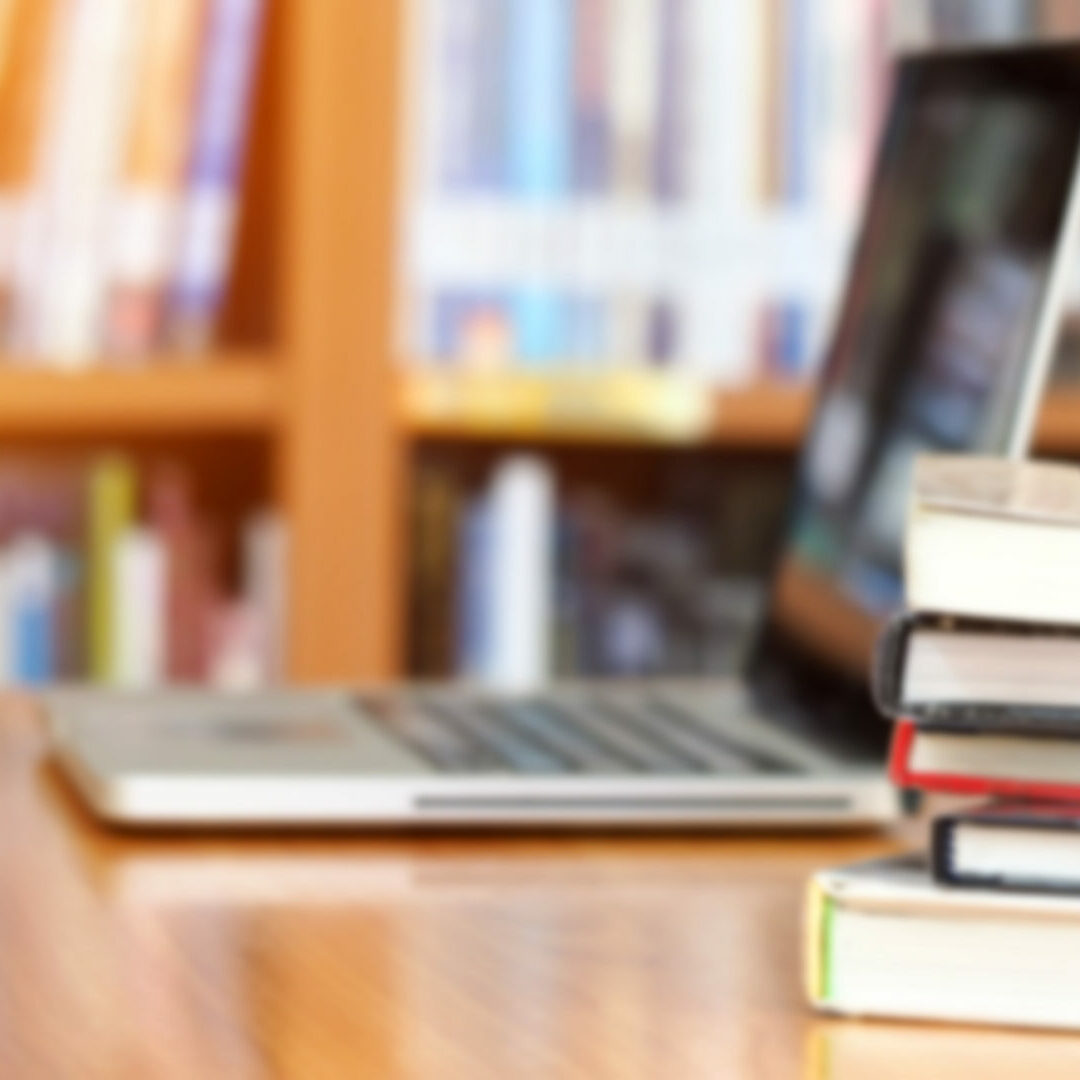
(341, 461)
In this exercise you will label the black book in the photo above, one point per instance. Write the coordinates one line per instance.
(1028, 846)
(974, 674)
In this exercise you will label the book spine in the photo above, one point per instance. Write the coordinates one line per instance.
(634, 93)
(941, 851)
(523, 522)
(474, 591)
(591, 115)
(82, 156)
(887, 669)
(144, 216)
(27, 28)
(31, 604)
(111, 512)
(207, 227)
(538, 79)
(139, 578)
(266, 549)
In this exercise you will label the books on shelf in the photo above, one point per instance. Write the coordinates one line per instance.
(522, 573)
(586, 180)
(105, 577)
(124, 128)
(982, 681)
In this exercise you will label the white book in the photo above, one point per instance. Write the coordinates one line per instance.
(266, 591)
(994, 538)
(139, 580)
(633, 94)
(61, 272)
(522, 529)
(884, 940)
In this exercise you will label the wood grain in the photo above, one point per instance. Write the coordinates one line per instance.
(340, 457)
(537, 958)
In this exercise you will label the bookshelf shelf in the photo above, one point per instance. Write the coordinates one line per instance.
(642, 409)
(764, 416)
(227, 392)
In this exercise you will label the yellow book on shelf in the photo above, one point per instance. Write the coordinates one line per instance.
(637, 402)
(111, 511)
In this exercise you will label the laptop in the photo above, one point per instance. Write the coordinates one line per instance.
(941, 343)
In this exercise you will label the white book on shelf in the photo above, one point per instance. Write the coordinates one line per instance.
(61, 271)
(265, 590)
(522, 526)
(139, 581)
(633, 94)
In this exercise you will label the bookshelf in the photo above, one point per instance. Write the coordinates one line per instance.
(307, 378)
(295, 404)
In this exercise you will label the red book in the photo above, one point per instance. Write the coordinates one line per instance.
(985, 763)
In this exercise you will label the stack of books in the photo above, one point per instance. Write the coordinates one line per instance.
(983, 675)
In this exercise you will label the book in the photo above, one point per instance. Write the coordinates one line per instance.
(60, 282)
(958, 671)
(30, 603)
(1014, 844)
(539, 64)
(995, 538)
(27, 30)
(883, 939)
(520, 580)
(111, 513)
(139, 586)
(143, 234)
(208, 215)
(963, 762)
(266, 590)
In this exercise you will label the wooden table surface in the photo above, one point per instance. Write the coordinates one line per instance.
(449, 956)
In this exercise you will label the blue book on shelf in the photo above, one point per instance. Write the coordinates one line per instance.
(538, 57)
(474, 592)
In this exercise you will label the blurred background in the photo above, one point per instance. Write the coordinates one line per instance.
(347, 341)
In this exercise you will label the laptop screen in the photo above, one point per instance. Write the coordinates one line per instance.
(932, 350)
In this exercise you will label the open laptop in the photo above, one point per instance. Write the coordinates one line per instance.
(942, 342)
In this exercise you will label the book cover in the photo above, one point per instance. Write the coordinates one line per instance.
(905, 774)
(1035, 643)
(207, 218)
(883, 939)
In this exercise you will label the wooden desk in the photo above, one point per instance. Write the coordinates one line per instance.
(544, 957)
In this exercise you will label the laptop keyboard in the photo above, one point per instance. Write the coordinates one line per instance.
(543, 735)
